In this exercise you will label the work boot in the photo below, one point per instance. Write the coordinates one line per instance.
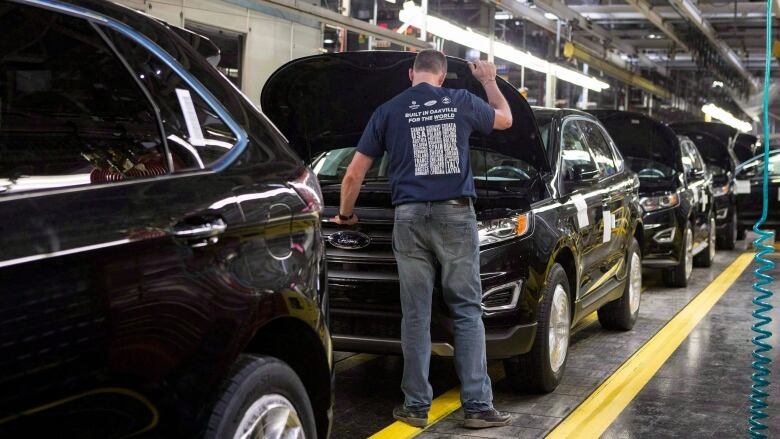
(486, 419)
(413, 418)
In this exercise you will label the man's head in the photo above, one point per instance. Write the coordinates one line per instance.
(429, 66)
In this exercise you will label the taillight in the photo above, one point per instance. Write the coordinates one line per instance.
(308, 188)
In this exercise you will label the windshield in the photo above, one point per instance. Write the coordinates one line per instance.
(487, 167)
(755, 166)
(649, 169)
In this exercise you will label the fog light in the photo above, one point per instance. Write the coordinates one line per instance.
(665, 236)
(502, 298)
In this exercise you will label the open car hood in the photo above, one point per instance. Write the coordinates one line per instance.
(637, 135)
(324, 102)
(744, 145)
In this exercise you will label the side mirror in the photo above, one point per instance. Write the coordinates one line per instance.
(580, 176)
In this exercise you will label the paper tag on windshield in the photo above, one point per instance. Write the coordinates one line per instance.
(742, 186)
(582, 210)
(190, 117)
(607, 226)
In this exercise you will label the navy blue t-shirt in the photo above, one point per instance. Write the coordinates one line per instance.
(425, 131)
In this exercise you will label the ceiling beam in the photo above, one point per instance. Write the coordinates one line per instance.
(745, 10)
(646, 9)
(693, 14)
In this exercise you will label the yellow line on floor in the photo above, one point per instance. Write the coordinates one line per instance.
(449, 401)
(353, 361)
(591, 418)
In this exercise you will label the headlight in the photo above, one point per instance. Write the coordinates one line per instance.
(498, 230)
(721, 190)
(659, 202)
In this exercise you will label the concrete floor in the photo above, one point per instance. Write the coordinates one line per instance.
(699, 392)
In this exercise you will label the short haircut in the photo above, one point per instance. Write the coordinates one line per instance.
(431, 61)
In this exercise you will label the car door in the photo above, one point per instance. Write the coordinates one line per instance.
(616, 189)
(114, 269)
(698, 186)
(581, 175)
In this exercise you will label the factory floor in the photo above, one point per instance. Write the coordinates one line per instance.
(683, 371)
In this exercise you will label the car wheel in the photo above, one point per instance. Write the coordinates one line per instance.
(729, 239)
(621, 314)
(542, 368)
(705, 258)
(677, 277)
(261, 398)
(741, 233)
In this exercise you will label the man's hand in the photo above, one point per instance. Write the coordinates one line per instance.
(484, 71)
(350, 222)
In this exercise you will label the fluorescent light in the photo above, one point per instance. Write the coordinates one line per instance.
(412, 15)
(717, 84)
(726, 117)
(550, 16)
(503, 16)
(328, 41)
(390, 1)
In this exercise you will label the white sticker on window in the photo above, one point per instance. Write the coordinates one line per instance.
(190, 117)
(742, 186)
(607, 226)
(582, 210)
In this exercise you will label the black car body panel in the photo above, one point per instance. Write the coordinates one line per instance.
(363, 280)
(722, 163)
(125, 301)
(750, 192)
(743, 145)
(656, 154)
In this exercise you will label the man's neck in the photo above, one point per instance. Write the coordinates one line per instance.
(434, 82)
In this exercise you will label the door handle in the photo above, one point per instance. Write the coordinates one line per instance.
(206, 229)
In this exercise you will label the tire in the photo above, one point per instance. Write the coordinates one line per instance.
(729, 239)
(706, 256)
(741, 233)
(677, 277)
(256, 388)
(541, 369)
(621, 314)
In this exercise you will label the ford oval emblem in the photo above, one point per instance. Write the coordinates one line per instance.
(349, 240)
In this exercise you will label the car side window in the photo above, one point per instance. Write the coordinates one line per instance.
(575, 156)
(687, 159)
(196, 135)
(698, 161)
(70, 113)
(600, 147)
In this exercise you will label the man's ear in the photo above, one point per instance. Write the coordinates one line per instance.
(411, 74)
(442, 77)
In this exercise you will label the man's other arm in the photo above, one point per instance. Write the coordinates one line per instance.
(350, 186)
(485, 72)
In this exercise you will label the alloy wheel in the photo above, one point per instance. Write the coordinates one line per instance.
(688, 253)
(559, 327)
(713, 239)
(270, 417)
(635, 283)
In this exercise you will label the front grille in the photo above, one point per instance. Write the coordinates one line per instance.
(500, 298)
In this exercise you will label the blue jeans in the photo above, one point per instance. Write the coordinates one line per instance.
(425, 233)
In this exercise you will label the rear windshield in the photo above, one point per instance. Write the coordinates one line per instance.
(650, 169)
(755, 166)
(488, 167)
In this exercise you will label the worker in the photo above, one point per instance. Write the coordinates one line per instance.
(425, 131)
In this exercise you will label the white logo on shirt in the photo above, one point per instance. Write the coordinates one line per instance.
(414, 106)
(430, 103)
(446, 100)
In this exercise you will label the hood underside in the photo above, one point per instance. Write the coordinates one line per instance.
(637, 135)
(744, 145)
(324, 102)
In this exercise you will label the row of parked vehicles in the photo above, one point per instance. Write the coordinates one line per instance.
(167, 269)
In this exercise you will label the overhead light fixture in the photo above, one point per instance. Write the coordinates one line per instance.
(717, 84)
(503, 16)
(328, 41)
(390, 1)
(550, 16)
(726, 117)
(412, 14)
(654, 36)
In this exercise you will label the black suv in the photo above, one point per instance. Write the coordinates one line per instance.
(722, 164)
(676, 194)
(741, 147)
(558, 214)
(162, 267)
(750, 193)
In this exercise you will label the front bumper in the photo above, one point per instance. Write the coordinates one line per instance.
(500, 343)
(662, 238)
